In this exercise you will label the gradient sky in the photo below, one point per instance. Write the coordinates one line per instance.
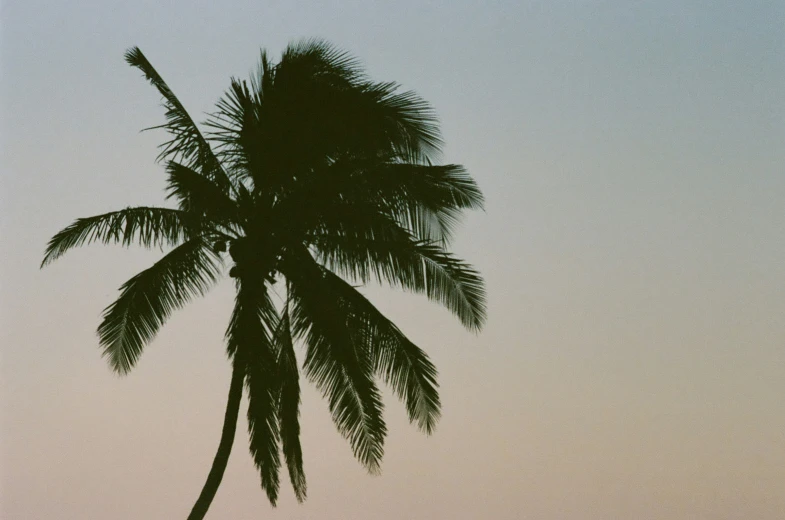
(633, 365)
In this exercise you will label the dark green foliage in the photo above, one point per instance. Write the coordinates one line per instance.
(339, 366)
(402, 365)
(197, 194)
(289, 405)
(187, 143)
(150, 227)
(313, 174)
(249, 337)
(147, 299)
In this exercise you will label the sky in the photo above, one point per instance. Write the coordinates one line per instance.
(633, 244)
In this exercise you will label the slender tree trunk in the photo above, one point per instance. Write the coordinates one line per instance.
(224, 447)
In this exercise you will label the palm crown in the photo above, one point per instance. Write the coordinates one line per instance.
(313, 177)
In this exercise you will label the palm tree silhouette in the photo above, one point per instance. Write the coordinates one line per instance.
(316, 178)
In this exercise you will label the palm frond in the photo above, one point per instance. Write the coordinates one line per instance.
(263, 428)
(151, 227)
(198, 194)
(264, 76)
(455, 284)
(406, 121)
(316, 58)
(235, 128)
(289, 405)
(187, 144)
(147, 300)
(426, 200)
(401, 363)
(339, 366)
(371, 246)
(249, 337)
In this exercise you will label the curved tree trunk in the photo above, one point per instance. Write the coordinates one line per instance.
(224, 447)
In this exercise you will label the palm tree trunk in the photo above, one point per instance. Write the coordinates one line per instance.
(224, 447)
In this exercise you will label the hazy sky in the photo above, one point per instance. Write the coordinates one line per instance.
(633, 365)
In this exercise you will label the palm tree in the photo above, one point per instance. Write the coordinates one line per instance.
(311, 177)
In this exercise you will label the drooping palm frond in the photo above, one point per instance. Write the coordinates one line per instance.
(289, 405)
(455, 284)
(263, 428)
(187, 144)
(147, 300)
(427, 200)
(249, 338)
(150, 227)
(403, 365)
(433, 186)
(338, 364)
(367, 245)
(406, 122)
